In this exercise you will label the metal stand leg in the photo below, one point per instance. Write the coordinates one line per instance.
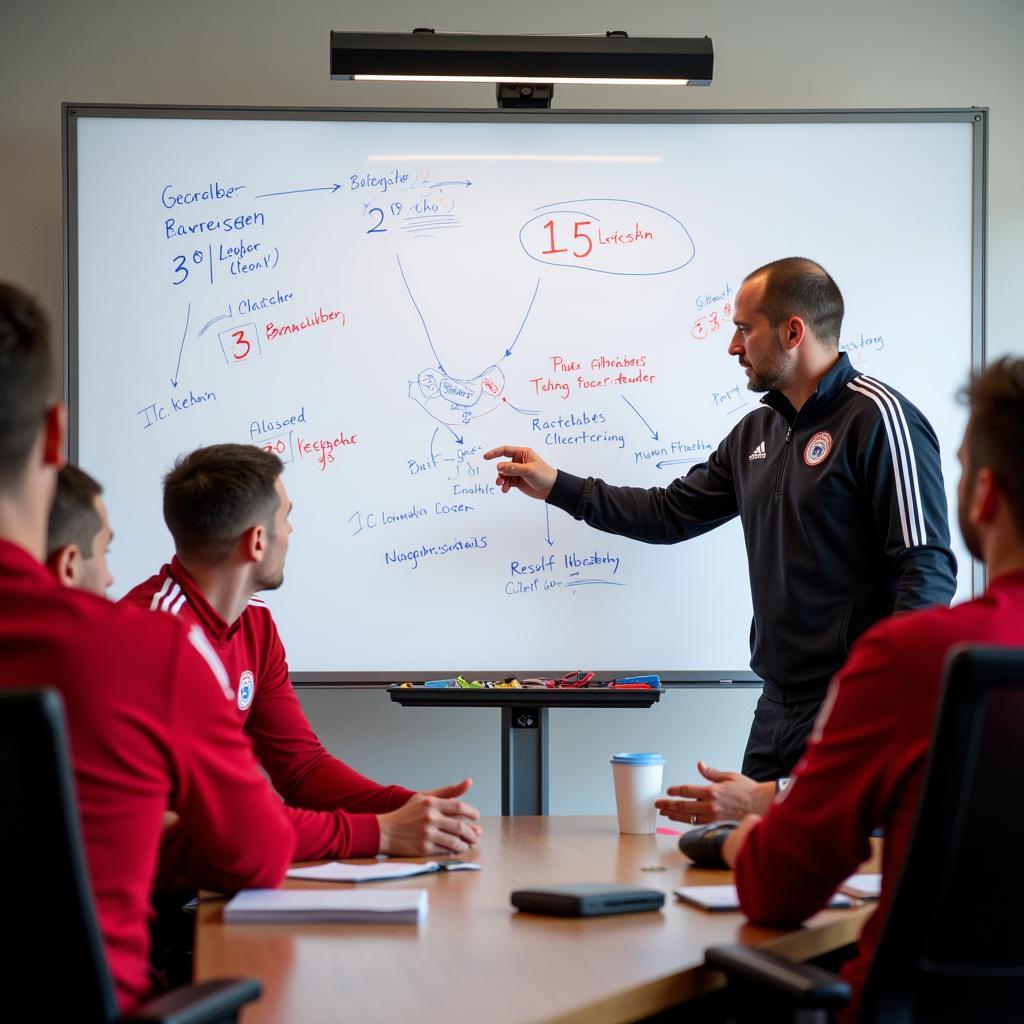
(524, 760)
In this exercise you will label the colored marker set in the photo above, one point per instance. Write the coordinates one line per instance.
(509, 683)
(571, 680)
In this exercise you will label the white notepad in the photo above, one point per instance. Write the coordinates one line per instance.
(335, 871)
(724, 897)
(378, 906)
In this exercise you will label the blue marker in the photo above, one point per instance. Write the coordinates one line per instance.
(653, 681)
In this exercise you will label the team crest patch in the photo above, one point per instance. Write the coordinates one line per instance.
(246, 690)
(818, 448)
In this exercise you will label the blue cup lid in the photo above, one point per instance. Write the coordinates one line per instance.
(641, 759)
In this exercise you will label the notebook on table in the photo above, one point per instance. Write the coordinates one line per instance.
(271, 906)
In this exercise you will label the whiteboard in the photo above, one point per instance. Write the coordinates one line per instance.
(381, 297)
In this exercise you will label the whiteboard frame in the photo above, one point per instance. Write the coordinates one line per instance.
(976, 117)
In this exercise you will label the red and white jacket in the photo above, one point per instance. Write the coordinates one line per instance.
(151, 718)
(864, 767)
(332, 807)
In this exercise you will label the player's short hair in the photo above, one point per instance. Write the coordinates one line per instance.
(73, 517)
(214, 494)
(796, 286)
(995, 432)
(27, 380)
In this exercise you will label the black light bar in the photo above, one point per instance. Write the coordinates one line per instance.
(613, 59)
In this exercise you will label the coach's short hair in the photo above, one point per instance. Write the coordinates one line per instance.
(796, 286)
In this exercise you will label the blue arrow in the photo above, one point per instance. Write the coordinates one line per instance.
(508, 351)
(184, 335)
(676, 462)
(426, 330)
(439, 184)
(654, 433)
(459, 440)
(547, 519)
(294, 191)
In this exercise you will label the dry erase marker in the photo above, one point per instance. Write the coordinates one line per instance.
(653, 680)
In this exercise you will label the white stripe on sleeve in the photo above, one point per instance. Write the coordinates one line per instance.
(915, 492)
(159, 594)
(165, 604)
(201, 643)
(900, 479)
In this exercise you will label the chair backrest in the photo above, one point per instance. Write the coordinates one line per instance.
(52, 964)
(952, 946)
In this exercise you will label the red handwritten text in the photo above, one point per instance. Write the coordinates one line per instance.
(323, 450)
(321, 316)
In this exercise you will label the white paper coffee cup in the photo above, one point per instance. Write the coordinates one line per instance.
(637, 779)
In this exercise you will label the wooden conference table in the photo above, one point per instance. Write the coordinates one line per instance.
(477, 959)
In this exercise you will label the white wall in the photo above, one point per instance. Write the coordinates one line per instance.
(786, 54)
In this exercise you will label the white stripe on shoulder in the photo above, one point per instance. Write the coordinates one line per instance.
(201, 643)
(165, 604)
(159, 594)
(901, 500)
(176, 607)
(257, 602)
(915, 491)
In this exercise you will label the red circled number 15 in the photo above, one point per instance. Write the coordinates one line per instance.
(577, 235)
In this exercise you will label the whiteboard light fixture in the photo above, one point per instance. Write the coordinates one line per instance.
(524, 81)
(525, 68)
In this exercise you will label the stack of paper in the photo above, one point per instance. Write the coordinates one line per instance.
(391, 906)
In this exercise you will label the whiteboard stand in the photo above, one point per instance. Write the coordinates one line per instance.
(524, 760)
(524, 729)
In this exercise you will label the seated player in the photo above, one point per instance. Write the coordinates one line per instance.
(78, 534)
(227, 509)
(149, 706)
(864, 766)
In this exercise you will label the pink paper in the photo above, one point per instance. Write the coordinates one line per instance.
(668, 831)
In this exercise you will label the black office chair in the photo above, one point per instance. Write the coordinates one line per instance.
(52, 963)
(952, 946)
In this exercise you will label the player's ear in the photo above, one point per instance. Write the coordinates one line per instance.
(65, 564)
(986, 497)
(253, 543)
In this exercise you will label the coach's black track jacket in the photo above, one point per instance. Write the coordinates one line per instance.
(843, 512)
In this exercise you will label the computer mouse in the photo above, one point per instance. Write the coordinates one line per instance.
(704, 845)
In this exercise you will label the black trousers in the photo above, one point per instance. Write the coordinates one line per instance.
(778, 736)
